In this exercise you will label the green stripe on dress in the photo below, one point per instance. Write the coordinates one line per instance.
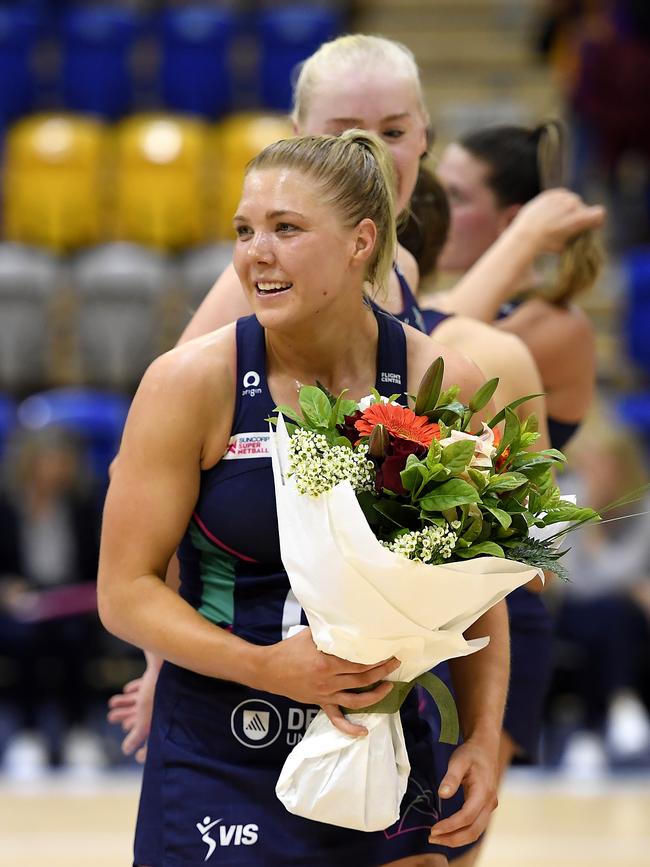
(217, 570)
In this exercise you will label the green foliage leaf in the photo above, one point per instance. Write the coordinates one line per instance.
(490, 549)
(504, 518)
(457, 456)
(328, 394)
(433, 455)
(315, 406)
(570, 513)
(511, 432)
(437, 473)
(449, 494)
(484, 395)
(540, 554)
(415, 475)
(499, 417)
(400, 514)
(506, 482)
(531, 424)
(531, 459)
(527, 439)
(479, 479)
(340, 408)
(289, 412)
(447, 413)
(449, 396)
(473, 530)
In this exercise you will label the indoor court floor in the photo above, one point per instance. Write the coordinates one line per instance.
(542, 821)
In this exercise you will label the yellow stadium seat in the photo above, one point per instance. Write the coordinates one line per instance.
(161, 180)
(236, 141)
(54, 181)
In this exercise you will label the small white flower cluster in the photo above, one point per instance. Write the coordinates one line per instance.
(317, 467)
(431, 545)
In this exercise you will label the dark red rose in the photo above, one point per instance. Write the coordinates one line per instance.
(389, 469)
(347, 429)
(399, 446)
(388, 474)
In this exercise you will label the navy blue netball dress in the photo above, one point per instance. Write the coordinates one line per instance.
(216, 747)
(411, 313)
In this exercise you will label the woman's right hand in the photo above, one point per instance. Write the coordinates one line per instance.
(297, 669)
(554, 216)
(132, 709)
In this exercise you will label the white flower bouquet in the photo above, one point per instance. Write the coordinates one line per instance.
(396, 530)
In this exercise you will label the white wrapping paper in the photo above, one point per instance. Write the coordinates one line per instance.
(365, 603)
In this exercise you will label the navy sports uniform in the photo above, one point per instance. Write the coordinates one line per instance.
(216, 747)
(411, 313)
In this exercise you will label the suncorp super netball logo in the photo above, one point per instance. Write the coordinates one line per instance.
(254, 444)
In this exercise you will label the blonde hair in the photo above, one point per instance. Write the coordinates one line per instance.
(350, 53)
(582, 257)
(356, 176)
(522, 162)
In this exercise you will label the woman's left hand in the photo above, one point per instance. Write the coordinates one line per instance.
(474, 765)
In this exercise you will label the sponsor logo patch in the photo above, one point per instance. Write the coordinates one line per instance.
(248, 445)
(256, 723)
(250, 382)
(226, 835)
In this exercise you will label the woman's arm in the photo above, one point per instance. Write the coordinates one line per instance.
(502, 355)
(543, 225)
(153, 490)
(172, 432)
(481, 685)
(562, 342)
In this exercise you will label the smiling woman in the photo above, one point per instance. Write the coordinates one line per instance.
(291, 252)
(315, 225)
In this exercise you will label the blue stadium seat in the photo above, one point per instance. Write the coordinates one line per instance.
(7, 419)
(97, 42)
(288, 36)
(96, 417)
(195, 68)
(19, 30)
(636, 324)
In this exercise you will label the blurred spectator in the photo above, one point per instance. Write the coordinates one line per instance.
(49, 524)
(603, 622)
(600, 53)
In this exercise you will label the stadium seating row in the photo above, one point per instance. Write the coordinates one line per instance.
(97, 318)
(163, 180)
(187, 58)
(95, 418)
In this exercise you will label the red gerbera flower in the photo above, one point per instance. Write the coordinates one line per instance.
(398, 421)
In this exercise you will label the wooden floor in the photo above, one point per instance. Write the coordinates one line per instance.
(541, 822)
